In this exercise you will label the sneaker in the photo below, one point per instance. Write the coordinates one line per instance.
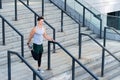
(40, 70)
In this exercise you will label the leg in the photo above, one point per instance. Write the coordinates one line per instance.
(39, 60)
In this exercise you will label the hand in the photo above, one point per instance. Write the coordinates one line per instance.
(27, 43)
(29, 46)
(52, 40)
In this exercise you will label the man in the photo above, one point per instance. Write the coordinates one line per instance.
(38, 33)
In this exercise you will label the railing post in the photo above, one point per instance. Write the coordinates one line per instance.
(104, 42)
(103, 53)
(50, 1)
(100, 29)
(15, 10)
(49, 56)
(3, 31)
(9, 65)
(83, 17)
(73, 69)
(34, 76)
(65, 4)
(42, 7)
(22, 45)
(54, 39)
(0, 4)
(61, 21)
(35, 20)
(28, 2)
(80, 42)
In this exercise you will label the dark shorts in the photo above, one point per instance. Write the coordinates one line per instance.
(38, 49)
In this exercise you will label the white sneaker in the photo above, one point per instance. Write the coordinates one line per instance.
(40, 70)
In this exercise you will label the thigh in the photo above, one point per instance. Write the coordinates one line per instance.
(38, 48)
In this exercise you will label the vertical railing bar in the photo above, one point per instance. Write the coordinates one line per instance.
(80, 42)
(35, 20)
(34, 76)
(100, 29)
(54, 39)
(0, 4)
(22, 45)
(103, 60)
(65, 4)
(9, 66)
(73, 69)
(42, 7)
(28, 2)
(83, 17)
(3, 31)
(103, 53)
(61, 21)
(49, 56)
(15, 10)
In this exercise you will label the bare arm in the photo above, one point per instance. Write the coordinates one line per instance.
(31, 35)
(47, 37)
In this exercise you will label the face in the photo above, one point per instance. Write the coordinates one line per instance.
(41, 21)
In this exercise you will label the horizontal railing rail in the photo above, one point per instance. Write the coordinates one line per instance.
(104, 48)
(73, 61)
(54, 35)
(11, 26)
(35, 73)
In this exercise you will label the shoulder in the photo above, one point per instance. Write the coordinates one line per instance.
(44, 28)
(34, 29)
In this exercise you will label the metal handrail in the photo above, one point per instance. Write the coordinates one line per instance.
(73, 61)
(105, 31)
(84, 7)
(64, 11)
(104, 48)
(54, 36)
(104, 39)
(11, 26)
(35, 73)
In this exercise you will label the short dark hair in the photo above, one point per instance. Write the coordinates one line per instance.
(39, 18)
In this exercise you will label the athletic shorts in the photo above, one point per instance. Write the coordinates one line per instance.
(37, 48)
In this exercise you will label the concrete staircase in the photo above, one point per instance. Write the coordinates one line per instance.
(26, 22)
(61, 63)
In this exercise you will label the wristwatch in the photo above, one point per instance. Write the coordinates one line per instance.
(27, 43)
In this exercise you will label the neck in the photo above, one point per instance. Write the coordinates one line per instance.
(40, 25)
